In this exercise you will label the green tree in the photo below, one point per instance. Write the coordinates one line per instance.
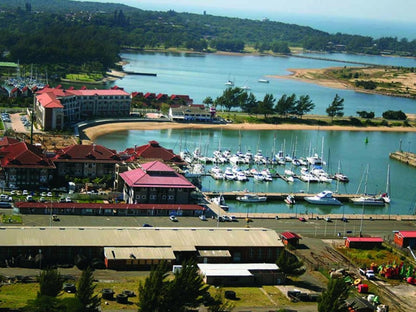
(336, 108)
(333, 298)
(231, 97)
(289, 264)
(85, 292)
(303, 105)
(266, 107)
(43, 304)
(187, 289)
(394, 115)
(248, 103)
(164, 108)
(50, 283)
(208, 101)
(365, 114)
(285, 104)
(152, 291)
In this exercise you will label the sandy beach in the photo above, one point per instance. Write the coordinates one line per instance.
(95, 132)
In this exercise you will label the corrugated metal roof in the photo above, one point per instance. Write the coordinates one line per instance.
(177, 238)
(139, 253)
(234, 269)
(365, 239)
(214, 253)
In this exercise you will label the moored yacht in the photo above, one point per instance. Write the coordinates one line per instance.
(323, 198)
(251, 198)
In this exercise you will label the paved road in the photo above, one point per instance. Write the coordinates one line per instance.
(310, 228)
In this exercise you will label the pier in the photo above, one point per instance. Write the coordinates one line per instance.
(279, 196)
(140, 74)
(404, 157)
(218, 211)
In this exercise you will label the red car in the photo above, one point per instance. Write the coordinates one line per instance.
(302, 219)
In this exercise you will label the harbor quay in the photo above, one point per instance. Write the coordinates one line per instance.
(218, 211)
(280, 196)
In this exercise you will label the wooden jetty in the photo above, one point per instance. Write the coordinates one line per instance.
(279, 196)
(404, 157)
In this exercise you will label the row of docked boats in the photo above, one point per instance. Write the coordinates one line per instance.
(326, 198)
(311, 168)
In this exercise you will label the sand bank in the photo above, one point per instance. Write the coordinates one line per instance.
(309, 75)
(95, 132)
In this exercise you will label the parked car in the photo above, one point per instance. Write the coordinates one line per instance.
(302, 219)
(147, 225)
(203, 218)
(173, 219)
(55, 218)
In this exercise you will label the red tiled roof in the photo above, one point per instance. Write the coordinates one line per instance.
(155, 174)
(408, 234)
(108, 206)
(4, 141)
(88, 153)
(50, 97)
(23, 155)
(290, 235)
(365, 239)
(152, 150)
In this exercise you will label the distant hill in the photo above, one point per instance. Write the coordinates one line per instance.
(77, 33)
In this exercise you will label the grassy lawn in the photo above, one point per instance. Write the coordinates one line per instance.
(364, 258)
(84, 77)
(16, 295)
(11, 219)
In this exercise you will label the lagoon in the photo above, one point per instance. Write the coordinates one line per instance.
(202, 75)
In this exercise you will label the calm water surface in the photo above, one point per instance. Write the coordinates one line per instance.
(341, 148)
(204, 75)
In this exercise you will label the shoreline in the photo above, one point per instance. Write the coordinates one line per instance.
(96, 131)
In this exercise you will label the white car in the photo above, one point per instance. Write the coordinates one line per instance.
(203, 218)
(25, 192)
(49, 194)
(173, 219)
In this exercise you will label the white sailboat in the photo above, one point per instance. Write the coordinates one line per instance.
(367, 199)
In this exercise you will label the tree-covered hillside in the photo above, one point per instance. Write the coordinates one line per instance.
(91, 34)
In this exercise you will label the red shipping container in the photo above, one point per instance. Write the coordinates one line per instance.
(363, 288)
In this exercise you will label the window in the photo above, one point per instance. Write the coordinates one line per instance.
(171, 197)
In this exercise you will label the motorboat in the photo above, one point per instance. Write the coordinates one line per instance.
(229, 83)
(323, 198)
(220, 201)
(229, 174)
(290, 200)
(341, 177)
(251, 198)
(263, 81)
(315, 160)
(369, 200)
(241, 176)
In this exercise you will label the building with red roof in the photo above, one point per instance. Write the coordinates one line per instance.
(86, 161)
(57, 108)
(151, 151)
(363, 242)
(24, 165)
(405, 239)
(156, 182)
(290, 238)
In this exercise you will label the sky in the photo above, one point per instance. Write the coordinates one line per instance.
(320, 14)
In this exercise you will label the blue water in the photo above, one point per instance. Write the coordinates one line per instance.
(343, 149)
(204, 75)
